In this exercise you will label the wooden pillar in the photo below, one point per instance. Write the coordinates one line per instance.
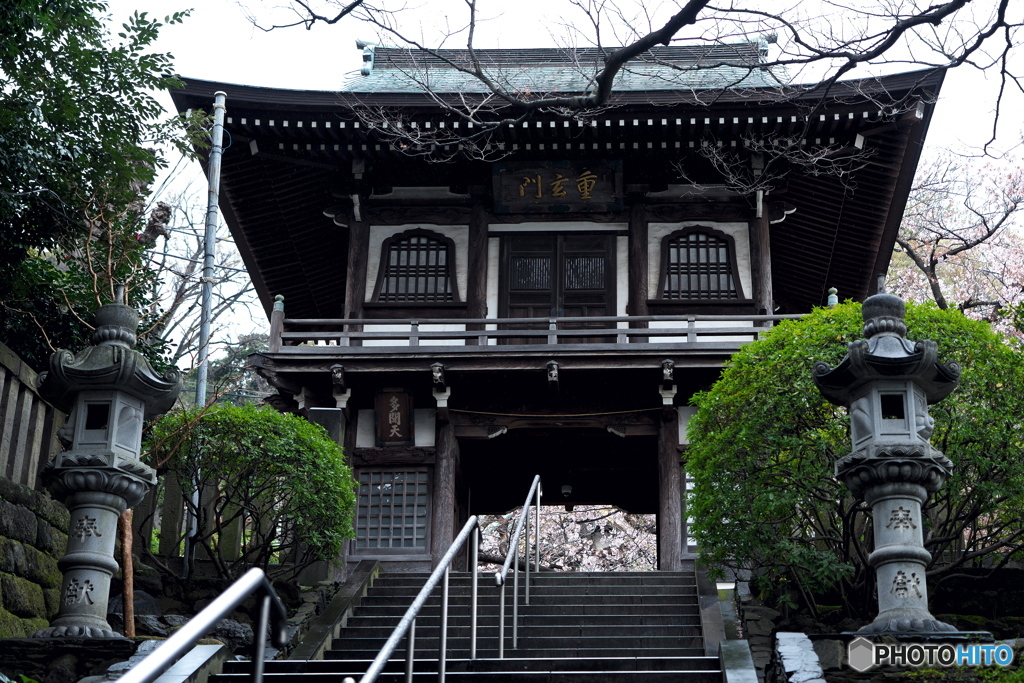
(442, 522)
(171, 516)
(761, 264)
(355, 279)
(639, 268)
(670, 509)
(476, 264)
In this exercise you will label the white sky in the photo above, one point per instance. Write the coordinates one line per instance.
(219, 43)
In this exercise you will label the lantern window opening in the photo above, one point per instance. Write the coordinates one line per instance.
(97, 416)
(892, 407)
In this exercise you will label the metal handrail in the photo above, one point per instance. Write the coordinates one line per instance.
(272, 613)
(513, 559)
(408, 621)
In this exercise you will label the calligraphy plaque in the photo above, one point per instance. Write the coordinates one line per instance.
(557, 186)
(394, 418)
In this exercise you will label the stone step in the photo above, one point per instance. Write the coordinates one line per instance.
(397, 609)
(537, 629)
(530, 642)
(397, 663)
(584, 676)
(540, 598)
(569, 592)
(426, 620)
(546, 653)
(551, 579)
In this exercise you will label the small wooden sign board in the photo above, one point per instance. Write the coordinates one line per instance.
(394, 415)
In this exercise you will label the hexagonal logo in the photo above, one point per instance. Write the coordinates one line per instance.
(861, 654)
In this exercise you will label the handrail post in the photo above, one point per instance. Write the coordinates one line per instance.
(474, 559)
(410, 651)
(442, 655)
(526, 551)
(501, 623)
(552, 327)
(536, 540)
(260, 640)
(515, 597)
(414, 333)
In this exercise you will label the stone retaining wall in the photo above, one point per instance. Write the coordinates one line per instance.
(33, 534)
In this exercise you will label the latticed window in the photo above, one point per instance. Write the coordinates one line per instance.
(392, 509)
(699, 265)
(416, 268)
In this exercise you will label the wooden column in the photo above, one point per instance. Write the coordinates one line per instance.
(639, 268)
(476, 264)
(442, 522)
(761, 264)
(670, 508)
(355, 280)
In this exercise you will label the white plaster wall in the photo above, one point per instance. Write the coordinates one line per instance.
(459, 234)
(454, 327)
(741, 237)
(621, 276)
(685, 413)
(493, 263)
(745, 331)
(567, 226)
(423, 426)
(365, 438)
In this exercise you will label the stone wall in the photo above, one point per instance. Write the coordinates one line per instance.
(33, 534)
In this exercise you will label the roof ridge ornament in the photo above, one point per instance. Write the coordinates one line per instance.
(369, 55)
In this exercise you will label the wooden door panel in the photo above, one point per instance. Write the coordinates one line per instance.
(565, 275)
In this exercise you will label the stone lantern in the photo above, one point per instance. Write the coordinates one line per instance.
(108, 390)
(887, 382)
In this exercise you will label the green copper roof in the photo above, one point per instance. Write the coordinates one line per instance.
(554, 70)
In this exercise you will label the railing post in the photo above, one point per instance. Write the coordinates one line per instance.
(501, 623)
(474, 559)
(552, 327)
(691, 329)
(526, 550)
(260, 640)
(414, 333)
(515, 597)
(442, 654)
(536, 541)
(410, 651)
(276, 325)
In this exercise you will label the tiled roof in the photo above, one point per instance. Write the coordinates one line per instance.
(553, 70)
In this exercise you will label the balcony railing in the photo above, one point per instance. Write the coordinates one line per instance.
(588, 333)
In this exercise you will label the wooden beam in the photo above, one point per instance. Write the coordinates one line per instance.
(670, 512)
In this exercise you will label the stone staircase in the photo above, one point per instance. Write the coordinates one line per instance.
(578, 627)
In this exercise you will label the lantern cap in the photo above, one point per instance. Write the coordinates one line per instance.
(886, 354)
(110, 364)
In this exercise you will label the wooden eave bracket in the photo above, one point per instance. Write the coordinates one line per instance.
(441, 396)
(668, 396)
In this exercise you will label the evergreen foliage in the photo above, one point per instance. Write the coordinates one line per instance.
(764, 443)
(272, 485)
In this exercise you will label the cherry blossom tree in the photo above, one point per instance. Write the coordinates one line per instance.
(960, 244)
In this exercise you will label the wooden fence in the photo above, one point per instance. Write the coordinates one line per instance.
(28, 424)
